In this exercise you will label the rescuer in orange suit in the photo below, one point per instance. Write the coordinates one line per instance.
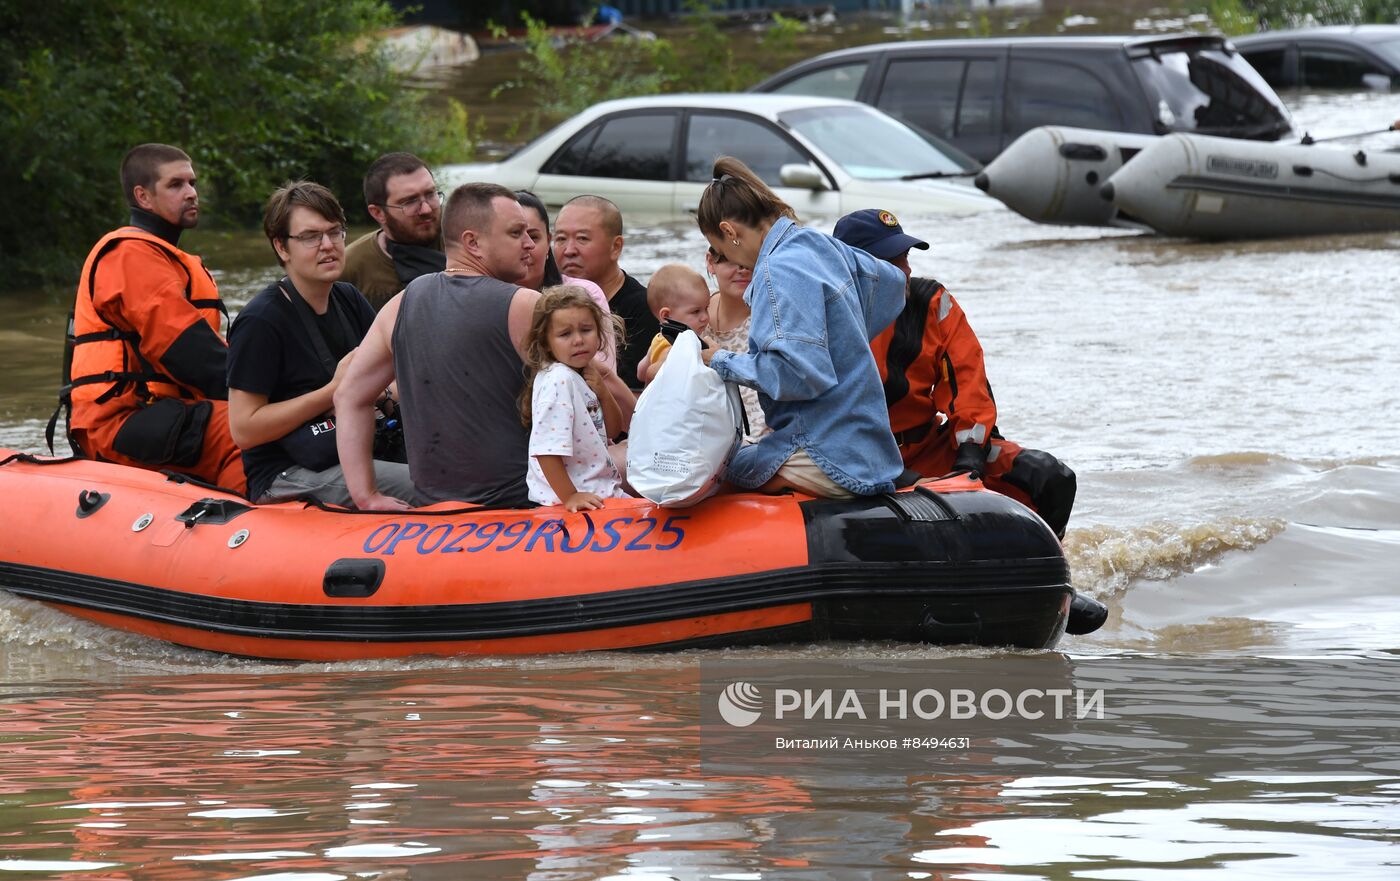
(940, 402)
(147, 374)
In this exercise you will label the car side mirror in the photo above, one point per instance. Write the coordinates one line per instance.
(802, 176)
(1376, 82)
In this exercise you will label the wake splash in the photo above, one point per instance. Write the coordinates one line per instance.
(1104, 560)
(1253, 459)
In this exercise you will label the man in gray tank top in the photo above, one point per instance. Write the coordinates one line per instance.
(453, 340)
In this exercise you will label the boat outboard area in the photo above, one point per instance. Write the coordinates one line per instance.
(1197, 186)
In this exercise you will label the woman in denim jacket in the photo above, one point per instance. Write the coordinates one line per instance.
(816, 304)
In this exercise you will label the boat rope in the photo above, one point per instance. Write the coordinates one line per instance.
(1308, 140)
(1309, 171)
(312, 502)
(30, 459)
(177, 477)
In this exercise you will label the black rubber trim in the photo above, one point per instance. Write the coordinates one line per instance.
(353, 577)
(1286, 192)
(1089, 152)
(90, 501)
(380, 623)
(803, 631)
(212, 512)
(923, 505)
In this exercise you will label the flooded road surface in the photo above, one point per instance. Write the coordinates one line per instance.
(575, 769)
(1230, 411)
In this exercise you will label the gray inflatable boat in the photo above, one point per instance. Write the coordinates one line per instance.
(1222, 188)
(1195, 185)
(1052, 174)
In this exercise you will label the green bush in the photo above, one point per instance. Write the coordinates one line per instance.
(563, 77)
(559, 77)
(1231, 17)
(256, 91)
(1302, 13)
(706, 60)
(1236, 17)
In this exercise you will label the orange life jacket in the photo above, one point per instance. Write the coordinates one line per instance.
(123, 325)
(931, 365)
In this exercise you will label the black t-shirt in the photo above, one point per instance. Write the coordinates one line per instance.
(630, 302)
(270, 353)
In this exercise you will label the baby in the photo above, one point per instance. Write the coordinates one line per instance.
(678, 296)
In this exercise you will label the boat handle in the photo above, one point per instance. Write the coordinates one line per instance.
(1086, 152)
(89, 500)
(351, 577)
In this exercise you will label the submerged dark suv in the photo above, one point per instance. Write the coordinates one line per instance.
(1353, 57)
(983, 94)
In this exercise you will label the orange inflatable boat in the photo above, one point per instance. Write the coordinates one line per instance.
(944, 562)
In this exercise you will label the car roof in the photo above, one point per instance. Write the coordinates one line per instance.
(753, 103)
(1363, 33)
(1097, 41)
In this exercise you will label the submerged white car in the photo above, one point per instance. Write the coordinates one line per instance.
(654, 155)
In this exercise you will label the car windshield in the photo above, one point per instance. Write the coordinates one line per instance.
(872, 146)
(1210, 92)
(1390, 50)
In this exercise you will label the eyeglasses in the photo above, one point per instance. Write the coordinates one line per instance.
(313, 239)
(408, 206)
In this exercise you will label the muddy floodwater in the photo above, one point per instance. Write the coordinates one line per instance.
(1231, 411)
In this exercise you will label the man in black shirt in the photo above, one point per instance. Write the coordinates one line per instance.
(587, 244)
(289, 349)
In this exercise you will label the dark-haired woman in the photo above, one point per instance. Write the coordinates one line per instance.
(816, 303)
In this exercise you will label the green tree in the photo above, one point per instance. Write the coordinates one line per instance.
(1231, 17)
(1302, 13)
(256, 91)
(562, 75)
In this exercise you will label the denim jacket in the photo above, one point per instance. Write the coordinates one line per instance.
(816, 305)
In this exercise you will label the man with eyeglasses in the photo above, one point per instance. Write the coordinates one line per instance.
(288, 351)
(404, 200)
(144, 371)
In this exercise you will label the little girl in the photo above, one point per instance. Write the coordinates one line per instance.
(570, 412)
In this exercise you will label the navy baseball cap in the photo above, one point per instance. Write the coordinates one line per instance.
(876, 232)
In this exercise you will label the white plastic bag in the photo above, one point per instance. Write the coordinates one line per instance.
(687, 426)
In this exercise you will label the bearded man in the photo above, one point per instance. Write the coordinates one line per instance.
(404, 199)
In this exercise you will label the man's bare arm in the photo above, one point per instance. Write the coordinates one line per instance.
(522, 310)
(252, 420)
(371, 371)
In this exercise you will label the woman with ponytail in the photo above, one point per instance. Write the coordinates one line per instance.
(816, 303)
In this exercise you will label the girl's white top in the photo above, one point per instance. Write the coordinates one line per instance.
(567, 420)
